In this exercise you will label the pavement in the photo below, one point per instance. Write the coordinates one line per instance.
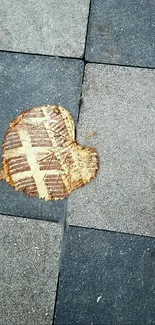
(89, 259)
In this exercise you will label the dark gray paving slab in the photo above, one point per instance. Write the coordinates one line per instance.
(122, 32)
(29, 262)
(27, 81)
(48, 27)
(118, 103)
(106, 278)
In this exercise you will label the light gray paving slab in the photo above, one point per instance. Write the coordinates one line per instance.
(29, 258)
(45, 27)
(119, 104)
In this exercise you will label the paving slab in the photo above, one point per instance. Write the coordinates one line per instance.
(122, 32)
(48, 27)
(29, 262)
(106, 278)
(118, 103)
(27, 81)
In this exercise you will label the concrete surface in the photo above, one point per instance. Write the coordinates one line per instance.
(27, 81)
(29, 259)
(45, 27)
(122, 32)
(118, 103)
(106, 278)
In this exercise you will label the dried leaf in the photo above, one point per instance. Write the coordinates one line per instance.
(41, 156)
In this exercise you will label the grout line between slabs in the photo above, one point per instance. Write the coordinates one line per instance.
(119, 65)
(65, 223)
(44, 55)
(79, 59)
(27, 217)
(111, 231)
(64, 228)
(87, 27)
(81, 98)
(85, 62)
(56, 298)
(59, 268)
(24, 217)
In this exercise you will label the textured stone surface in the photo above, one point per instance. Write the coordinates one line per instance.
(106, 278)
(118, 103)
(29, 259)
(50, 27)
(27, 81)
(122, 32)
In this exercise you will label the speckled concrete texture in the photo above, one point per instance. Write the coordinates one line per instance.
(45, 27)
(29, 259)
(122, 32)
(27, 81)
(106, 278)
(118, 103)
